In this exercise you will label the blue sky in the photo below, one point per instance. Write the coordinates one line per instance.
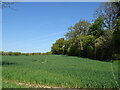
(34, 27)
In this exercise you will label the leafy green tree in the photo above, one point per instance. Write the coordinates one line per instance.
(10, 53)
(116, 40)
(97, 28)
(79, 29)
(87, 44)
(82, 46)
(58, 46)
(27, 54)
(103, 46)
(16, 53)
(74, 48)
(1, 52)
(67, 44)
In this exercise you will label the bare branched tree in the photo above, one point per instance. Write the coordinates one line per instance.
(109, 12)
(6, 5)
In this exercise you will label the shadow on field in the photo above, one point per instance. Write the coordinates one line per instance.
(6, 63)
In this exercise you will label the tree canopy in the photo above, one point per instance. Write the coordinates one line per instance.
(98, 40)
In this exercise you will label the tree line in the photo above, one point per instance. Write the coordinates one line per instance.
(98, 40)
(19, 53)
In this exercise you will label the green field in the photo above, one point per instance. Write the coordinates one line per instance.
(58, 71)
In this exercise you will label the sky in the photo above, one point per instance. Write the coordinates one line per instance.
(35, 26)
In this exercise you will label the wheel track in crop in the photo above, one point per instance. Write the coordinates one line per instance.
(45, 60)
(114, 75)
(29, 85)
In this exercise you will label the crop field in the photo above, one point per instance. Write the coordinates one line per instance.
(57, 71)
